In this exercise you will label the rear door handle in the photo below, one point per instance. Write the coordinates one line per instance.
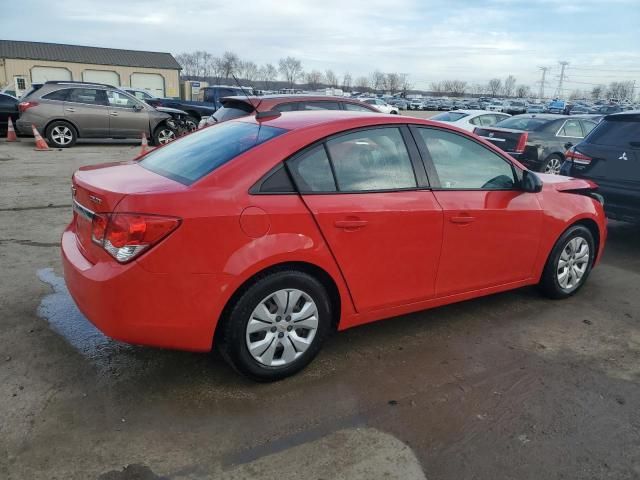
(70, 109)
(350, 224)
(113, 114)
(463, 220)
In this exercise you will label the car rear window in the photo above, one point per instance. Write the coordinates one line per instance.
(520, 123)
(449, 116)
(617, 131)
(231, 110)
(194, 156)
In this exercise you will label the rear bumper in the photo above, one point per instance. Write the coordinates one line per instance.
(133, 305)
(24, 127)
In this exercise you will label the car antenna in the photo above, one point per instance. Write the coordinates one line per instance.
(259, 115)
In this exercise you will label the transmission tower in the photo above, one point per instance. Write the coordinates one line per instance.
(563, 65)
(542, 80)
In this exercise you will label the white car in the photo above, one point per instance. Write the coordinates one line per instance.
(470, 119)
(381, 105)
(496, 106)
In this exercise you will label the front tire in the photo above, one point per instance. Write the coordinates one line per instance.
(277, 325)
(163, 135)
(569, 263)
(61, 134)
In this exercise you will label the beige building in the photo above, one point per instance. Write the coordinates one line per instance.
(24, 63)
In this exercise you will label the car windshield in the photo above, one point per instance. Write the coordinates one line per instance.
(194, 156)
(449, 116)
(522, 123)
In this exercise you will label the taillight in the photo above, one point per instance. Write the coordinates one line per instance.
(522, 142)
(126, 235)
(577, 157)
(24, 106)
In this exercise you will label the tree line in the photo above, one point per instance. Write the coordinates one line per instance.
(289, 71)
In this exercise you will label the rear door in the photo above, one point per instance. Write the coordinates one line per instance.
(371, 201)
(127, 115)
(491, 228)
(614, 149)
(87, 109)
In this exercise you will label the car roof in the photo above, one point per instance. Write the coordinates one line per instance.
(267, 102)
(478, 111)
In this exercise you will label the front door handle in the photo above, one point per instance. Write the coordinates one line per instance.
(70, 109)
(463, 220)
(113, 114)
(350, 224)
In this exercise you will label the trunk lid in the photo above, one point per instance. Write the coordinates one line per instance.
(504, 138)
(99, 189)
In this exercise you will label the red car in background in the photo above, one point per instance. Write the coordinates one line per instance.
(262, 235)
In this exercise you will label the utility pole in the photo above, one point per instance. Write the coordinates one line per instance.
(544, 75)
(563, 65)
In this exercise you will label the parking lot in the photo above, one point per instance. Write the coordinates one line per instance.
(511, 386)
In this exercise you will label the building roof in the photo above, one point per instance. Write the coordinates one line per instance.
(58, 52)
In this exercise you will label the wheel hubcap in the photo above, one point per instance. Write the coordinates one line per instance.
(553, 166)
(165, 136)
(61, 135)
(573, 263)
(282, 327)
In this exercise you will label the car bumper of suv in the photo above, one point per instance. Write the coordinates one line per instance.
(23, 127)
(130, 304)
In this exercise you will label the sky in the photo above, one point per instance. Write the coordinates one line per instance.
(429, 40)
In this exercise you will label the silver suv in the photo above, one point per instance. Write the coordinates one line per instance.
(66, 111)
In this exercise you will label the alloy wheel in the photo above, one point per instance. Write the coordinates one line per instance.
(165, 136)
(573, 263)
(62, 135)
(553, 166)
(282, 327)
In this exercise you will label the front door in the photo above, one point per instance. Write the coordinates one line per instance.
(491, 227)
(128, 116)
(382, 226)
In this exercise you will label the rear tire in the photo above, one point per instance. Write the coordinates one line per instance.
(276, 326)
(569, 263)
(552, 164)
(61, 134)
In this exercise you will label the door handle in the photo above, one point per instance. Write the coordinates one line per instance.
(350, 224)
(70, 109)
(113, 114)
(462, 220)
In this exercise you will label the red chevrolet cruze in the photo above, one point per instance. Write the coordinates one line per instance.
(262, 235)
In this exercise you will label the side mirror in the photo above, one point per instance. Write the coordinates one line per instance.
(530, 182)
(137, 108)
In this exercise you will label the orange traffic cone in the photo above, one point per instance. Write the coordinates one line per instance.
(41, 145)
(11, 133)
(144, 146)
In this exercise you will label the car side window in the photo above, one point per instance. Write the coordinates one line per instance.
(355, 108)
(320, 105)
(60, 95)
(118, 99)
(462, 164)
(369, 160)
(311, 171)
(571, 128)
(286, 107)
(588, 126)
(90, 96)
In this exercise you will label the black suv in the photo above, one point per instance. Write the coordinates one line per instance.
(610, 156)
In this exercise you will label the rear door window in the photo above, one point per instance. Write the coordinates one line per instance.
(356, 108)
(88, 96)
(198, 154)
(57, 95)
(571, 128)
(312, 171)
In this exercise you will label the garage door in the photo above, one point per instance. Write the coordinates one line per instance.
(101, 76)
(149, 81)
(44, 74)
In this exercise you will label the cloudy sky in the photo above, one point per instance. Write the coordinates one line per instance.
(472, 40)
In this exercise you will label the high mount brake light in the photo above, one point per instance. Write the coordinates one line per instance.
(577, 157)
(126, 235)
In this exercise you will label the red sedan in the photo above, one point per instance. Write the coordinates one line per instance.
(262, 235)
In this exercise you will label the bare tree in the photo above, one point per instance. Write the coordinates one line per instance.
(478, 89)
(248, 71)
(494, 86)
(362, 83)
(523, 91)
(392, 82)
(291, 70)
(376, 80)
(620, 90)
(405, 84)
(597, 92)
(229, 64)
(331, 79)
(268, 74)
(509, 86)
(314, 79)
(186, 62)
(346, 81)
(437, 87)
